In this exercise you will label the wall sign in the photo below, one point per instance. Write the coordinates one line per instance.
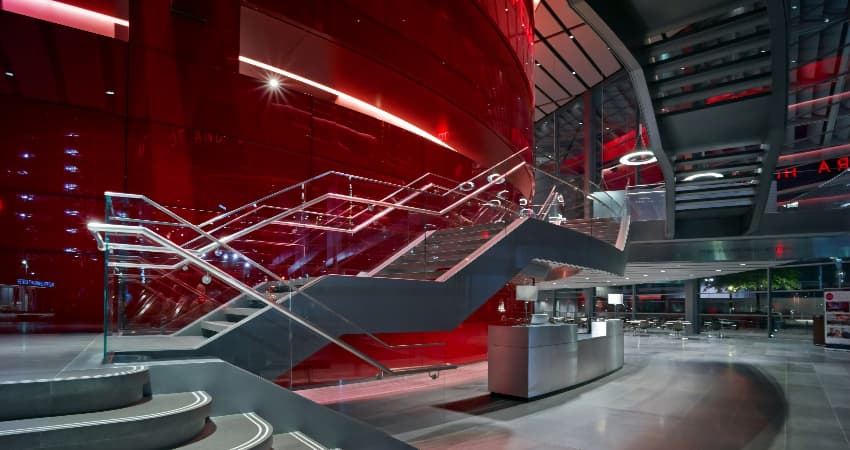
(37, 283)
(836, 306)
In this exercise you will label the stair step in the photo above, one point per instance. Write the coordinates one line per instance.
(215, 326)
(240, 312)
(163, 421)
(295, 440)
(245, 431)
(75, 392)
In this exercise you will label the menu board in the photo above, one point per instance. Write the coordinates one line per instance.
(836, 306)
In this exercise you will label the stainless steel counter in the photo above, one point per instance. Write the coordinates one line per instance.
(529, 361)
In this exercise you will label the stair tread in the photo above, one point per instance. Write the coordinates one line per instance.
(244, 312)
(216, 325)
(243, 431)
(157, 406)
(78, 391)
(295, 441)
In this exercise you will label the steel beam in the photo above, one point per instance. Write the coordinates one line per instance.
(837, 88)
(778, 14)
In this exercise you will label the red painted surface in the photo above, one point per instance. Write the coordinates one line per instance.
(167, 114)
(465, 344)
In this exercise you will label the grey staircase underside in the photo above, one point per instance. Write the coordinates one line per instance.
(268, 343)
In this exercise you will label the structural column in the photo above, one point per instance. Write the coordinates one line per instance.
(770, 324)
(589, 304)
(592, 145)
(634, 301)
(692, 305)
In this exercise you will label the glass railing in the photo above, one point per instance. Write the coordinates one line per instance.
(165, 274)
(832, 194)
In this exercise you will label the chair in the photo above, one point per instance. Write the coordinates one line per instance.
(644, 327)
(678, 327)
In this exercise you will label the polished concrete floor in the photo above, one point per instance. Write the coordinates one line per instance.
(700, 393)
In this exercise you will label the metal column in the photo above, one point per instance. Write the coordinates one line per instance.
(770, 323)
(634, 302)
(592, 146)
(589, 304)
(692, 305)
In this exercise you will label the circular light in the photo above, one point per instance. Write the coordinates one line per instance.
(494, 178)
(523, 202)
(502, 194)
(466, 186)
(638, 158)
(697, 176)
(273, 83)
(206, 279)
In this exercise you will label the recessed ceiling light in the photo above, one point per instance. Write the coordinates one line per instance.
(826, 20)
(645, 275)
(638, 158)
(9, 74)
(697, 176)
(572, 37)
(627, 278)
(586, 278)
(718, 270)
(273, 83)
(573, 72)
(110, 92)
(537, 64)
(663, 271)
(742, 264)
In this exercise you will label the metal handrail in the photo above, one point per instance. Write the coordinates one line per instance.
(560, 180)
(350, 198)
(272, 275)
(97, 228)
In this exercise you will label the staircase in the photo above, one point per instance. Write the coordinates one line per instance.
(113, 408)
(440, 251)
(712, 85)
(471, 265)
(606, 230)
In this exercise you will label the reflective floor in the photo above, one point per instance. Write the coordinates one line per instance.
(700, 393)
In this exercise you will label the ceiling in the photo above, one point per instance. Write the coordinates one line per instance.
(569, 57)
(641, 273)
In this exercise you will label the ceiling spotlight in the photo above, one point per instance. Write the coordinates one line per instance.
(645, 275)
(697, 176)
(742, 264)
(663, 271)
(586, 278)
(826, 20)
(273, 83)
(638, 158)
(537, 64)
(627, 278)
(718, 270)
(9, 74)
(110, 92)
(572, 37)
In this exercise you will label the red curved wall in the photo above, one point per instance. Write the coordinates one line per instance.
(167, 114)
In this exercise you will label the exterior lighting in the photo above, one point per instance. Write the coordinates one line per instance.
(697, 176)
(638, 158)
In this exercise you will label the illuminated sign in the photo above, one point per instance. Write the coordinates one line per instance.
(36, 283)
(824, 167)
